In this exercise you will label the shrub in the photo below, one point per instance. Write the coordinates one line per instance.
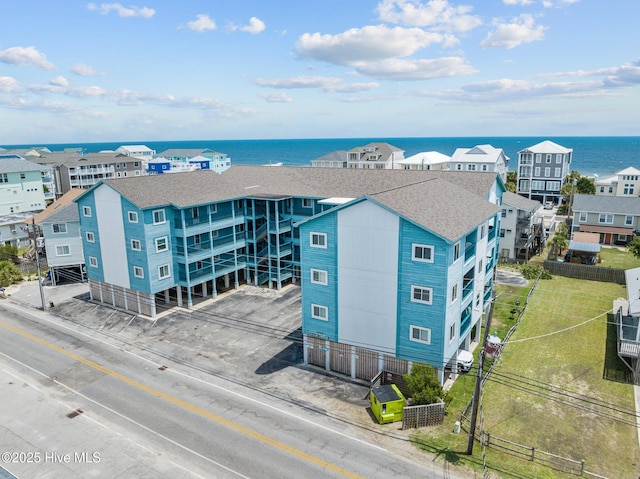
(9, 274)
(424, 385)
(532, 271)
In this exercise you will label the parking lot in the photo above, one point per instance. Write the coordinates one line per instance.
(251, 336)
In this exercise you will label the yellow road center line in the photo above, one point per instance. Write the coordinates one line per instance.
(188, 406)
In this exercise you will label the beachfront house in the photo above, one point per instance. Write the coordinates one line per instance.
(335, 159)
(615, 218)
(379, 156)
(426, 160)
(482, 158)
(189, 159)
(166, 240)
(624, 183)
(542, 171)
(141, 152)
(522, 229)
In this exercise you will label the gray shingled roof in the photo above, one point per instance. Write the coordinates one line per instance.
(15, 165)
(449, 203)
(73, 159)
(338, 155)
(438, 205)
(520, 202)
(606, 204)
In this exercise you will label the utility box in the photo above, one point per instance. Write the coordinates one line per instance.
(387, 403)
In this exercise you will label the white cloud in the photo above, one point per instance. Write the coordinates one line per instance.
(297, 82)
(276, 97)
(106, 8)
(85, 70)
(367, 44)
(59, 81)
(409, 69)
(202, 23)
(255, 26)
(438, 14)
(510, 35)
(517, 2)
(9, 85)
(557, 3)
(25, 56)
(327, 84)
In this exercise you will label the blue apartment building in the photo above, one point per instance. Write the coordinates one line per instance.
(395, 266)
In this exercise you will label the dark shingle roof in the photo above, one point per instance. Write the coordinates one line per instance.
(520, 202)
(450, 203)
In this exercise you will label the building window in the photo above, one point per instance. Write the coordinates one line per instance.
(93, 261)
(605, 218)
(628, 189)
(213, 209)
(4, 178)
(420, 335)
(318, 240)
(553, 185)
(422, 252)
(319, 276)
(452, 332)
(459, 167)
(133, 217)
(559, 158)
(504, 213)
(548, 158)
(538, 157)
(454, 292)
(138, 272)
(536, 171)
(602, 189)
(557, 172)
(471, 167)
(501, 232)
(158, 217)
(611, 189)
(480, 267)
(163, 271)
(59, 228)
(86, 211)
(537, 185)
(421, 294)
(195, 213)
(136, 245)
(547, 172)
(307, 202)
(485, 168)
(91, 237)
(583, 217)
(63, 250)
(628, 220)
(456, 251)
(319, 312)
(162, 244)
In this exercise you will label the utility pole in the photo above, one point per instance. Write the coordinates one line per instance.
(35, 247)
(478, 389)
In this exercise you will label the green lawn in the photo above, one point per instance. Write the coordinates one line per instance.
(614, 258)
(555, 388)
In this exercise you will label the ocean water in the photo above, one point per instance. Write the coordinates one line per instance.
(591, 155)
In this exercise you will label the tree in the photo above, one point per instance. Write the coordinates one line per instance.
(424, 385)
(634, 247)
(511, 183)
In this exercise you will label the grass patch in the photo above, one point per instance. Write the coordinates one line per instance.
(565, 392)
(614, 258)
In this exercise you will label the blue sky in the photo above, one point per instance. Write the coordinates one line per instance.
(77, 71)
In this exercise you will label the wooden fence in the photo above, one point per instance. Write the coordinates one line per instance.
(585, 271)
(423, 415)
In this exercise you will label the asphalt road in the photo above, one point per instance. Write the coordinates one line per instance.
(76, 406)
